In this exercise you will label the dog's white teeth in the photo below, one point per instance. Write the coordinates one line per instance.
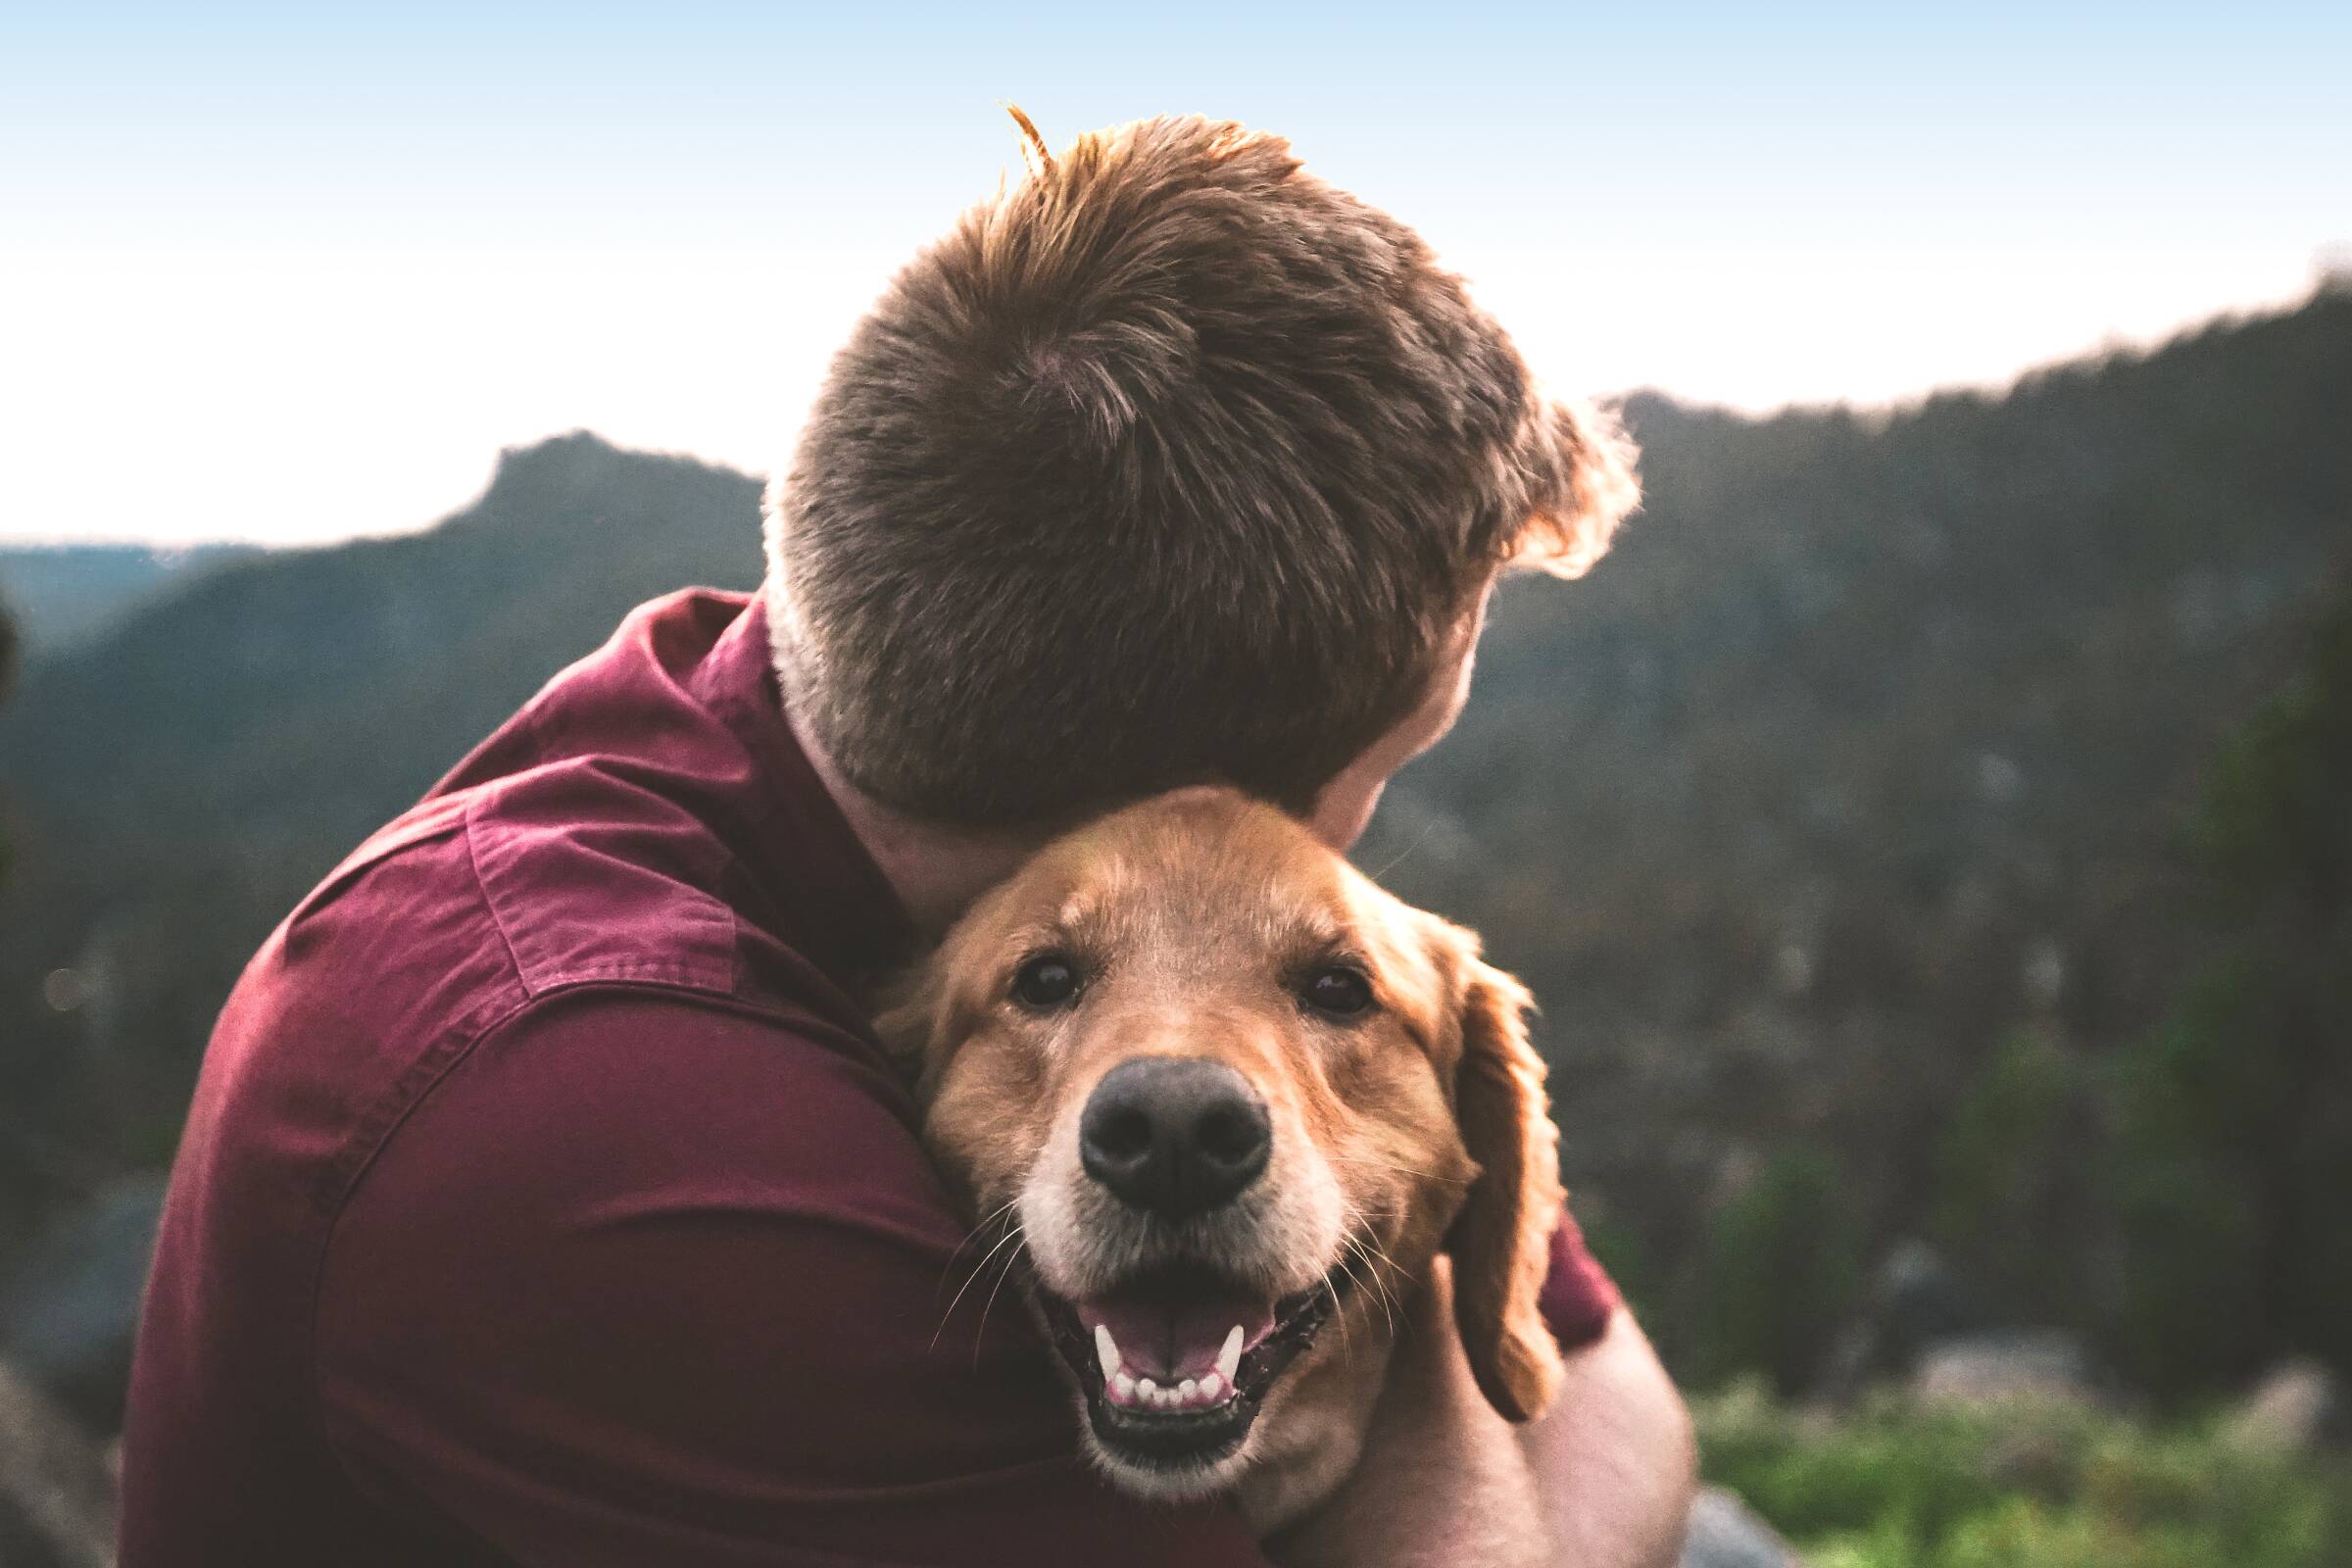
(1204, 1392)
(1106, 1351)
(1191, 1394)
(1229, 1360)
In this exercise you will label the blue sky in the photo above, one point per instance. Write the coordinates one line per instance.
(294, 273)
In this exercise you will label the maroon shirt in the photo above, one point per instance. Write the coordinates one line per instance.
(545, 1199)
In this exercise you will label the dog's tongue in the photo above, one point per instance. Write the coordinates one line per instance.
(1171, 1332)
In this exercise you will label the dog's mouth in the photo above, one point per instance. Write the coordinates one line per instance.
(1176, 1361)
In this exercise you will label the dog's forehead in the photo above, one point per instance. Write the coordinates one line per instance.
(1208, 865)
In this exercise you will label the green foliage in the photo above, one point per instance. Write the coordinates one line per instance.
(2199, 1166)
(1620, 1250)
(2011, 1166)
(2272, 823)
(1782, 1258)
(2233, 1150)
(2189, 1205)
(2021, 1486)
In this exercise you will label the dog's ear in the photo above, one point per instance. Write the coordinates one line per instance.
(1502, 1241)
(910, 1016)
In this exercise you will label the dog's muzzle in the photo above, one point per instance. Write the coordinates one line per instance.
(1176, 1355)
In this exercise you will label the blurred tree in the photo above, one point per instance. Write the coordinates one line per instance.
(1781, 1269)
(2016, 1165)
(2235, 1148)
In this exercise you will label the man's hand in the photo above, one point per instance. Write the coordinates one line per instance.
(1614, 1458)
(1602, 1481)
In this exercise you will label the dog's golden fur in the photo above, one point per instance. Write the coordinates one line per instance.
(1417, 1127)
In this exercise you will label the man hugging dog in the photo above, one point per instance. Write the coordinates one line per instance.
(548, 1196)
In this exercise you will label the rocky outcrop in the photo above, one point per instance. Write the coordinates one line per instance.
(57, 1489)
(1725, 1533)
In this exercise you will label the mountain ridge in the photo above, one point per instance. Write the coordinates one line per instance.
(1864, 752)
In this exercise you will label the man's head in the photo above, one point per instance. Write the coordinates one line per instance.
(1171, 464)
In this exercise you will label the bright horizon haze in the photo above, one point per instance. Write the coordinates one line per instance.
(295, 273)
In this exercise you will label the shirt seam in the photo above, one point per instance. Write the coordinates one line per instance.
(481, 886)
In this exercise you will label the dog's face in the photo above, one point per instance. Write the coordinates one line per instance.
(1232, 1097)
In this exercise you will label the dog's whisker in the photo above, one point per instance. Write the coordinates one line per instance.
(974, 1234)
(1340, 1264)
(1003, 1274)
(1379, 1295)
(1358, 1236)
(1388, 1294)
(1377, 1286)
(1363, 1239)
(1401, 1170)
(1009, 1236)
(1374, 1259)
(1406, 853)
(1337, 1311)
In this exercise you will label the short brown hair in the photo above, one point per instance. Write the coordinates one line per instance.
(1171, 464)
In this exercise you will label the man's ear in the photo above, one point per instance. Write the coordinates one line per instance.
(1502, 1242)
(1579, 456)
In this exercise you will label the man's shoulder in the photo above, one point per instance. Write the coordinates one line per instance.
(472, 911)
(564, 875)
(630, 830)
(590, 875)
(644, 819)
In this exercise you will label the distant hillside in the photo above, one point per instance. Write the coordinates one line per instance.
(180, 781)
(1863, 755)
(61, 595)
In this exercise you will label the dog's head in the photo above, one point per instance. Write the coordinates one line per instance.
(1233, 1098)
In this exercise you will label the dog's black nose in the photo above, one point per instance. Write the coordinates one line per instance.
(1174, 1134)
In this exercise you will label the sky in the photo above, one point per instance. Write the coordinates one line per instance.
(290, 273)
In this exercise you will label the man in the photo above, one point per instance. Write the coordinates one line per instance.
(545, 1199)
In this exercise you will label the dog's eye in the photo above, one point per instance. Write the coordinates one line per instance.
(1339, 990)
(1048, 980)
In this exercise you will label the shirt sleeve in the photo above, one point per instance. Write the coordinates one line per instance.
(1577, 1296)
(645, 1280)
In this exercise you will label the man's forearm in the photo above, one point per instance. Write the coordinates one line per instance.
(1602, 1481)
(1613, 1458)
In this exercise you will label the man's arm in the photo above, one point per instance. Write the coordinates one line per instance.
(1603, 1480)
(645, 1280)
(1614, 1459)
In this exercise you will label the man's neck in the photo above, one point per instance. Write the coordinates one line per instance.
(936, 871)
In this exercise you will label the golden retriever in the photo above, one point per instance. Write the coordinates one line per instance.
(1228, 1100)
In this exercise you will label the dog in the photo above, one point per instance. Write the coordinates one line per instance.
(1229, 1102)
